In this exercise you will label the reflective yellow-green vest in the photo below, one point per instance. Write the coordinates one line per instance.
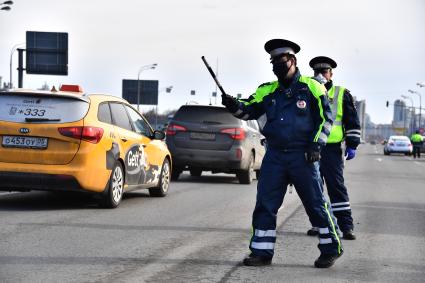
(416, 138)
(336, 95)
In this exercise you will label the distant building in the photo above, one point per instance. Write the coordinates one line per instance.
(401, 118)
(399, 115)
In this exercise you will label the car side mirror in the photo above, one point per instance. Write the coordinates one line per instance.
(158, 135)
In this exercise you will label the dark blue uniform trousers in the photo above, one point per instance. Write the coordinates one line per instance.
(277, 170)
(331, 168)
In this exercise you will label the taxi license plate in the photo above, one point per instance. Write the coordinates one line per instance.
(24, 142)
(202, 136)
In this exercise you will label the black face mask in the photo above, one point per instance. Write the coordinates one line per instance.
(328, 85)
(281, 69)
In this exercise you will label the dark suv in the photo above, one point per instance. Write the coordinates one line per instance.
(209, 138)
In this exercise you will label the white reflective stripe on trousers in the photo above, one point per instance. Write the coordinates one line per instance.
(341, 208)
(353, 131)
(340, 203)
(262, 246)
(325, 241)
(265, 233)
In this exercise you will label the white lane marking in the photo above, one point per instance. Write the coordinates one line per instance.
(418, 163)
(378, 159)
(389, 207)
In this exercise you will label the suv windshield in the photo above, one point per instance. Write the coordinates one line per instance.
(204, 114)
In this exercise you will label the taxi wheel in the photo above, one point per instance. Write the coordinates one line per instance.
(113, 195)
(164, 181)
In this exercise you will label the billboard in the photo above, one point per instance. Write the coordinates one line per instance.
(47, 53)
(148, 91)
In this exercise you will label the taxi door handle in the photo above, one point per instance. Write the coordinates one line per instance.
(144, 145)
(124, 139)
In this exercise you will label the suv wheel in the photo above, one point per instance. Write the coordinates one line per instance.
(246, 176)
(164, 181)
(195, 172)
(175, 174)
(113, 195)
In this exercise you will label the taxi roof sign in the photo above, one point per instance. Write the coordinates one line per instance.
(71, 88)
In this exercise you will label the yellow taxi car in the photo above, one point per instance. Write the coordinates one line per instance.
(71, 141)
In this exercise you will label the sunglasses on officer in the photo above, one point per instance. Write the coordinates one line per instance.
(280, 59)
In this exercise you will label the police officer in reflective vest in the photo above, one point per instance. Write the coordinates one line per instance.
(417, 141)
(298, 124)
(346, 126)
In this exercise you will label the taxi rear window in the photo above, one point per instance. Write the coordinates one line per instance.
(41, 109)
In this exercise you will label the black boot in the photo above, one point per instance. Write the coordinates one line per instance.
(327, 260)
(348, 235)
(255, 260)
(314, 231)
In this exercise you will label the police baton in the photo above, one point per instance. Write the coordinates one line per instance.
(223, 93)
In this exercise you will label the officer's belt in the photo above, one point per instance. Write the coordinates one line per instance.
(288, 149)
(333, 145)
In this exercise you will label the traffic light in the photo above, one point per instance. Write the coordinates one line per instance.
(388, 103)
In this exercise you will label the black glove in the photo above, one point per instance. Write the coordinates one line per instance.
(230, 102)
(313, 153)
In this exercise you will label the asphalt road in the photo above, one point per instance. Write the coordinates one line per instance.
(200, 232)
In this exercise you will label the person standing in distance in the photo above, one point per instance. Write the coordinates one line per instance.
(346, 127)
(417, 141)
(297, 126)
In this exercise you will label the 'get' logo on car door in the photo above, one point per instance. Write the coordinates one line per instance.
(136, 163)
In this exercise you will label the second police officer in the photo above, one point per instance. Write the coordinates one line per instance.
(297, 126)
(417, 141)
(346, 127)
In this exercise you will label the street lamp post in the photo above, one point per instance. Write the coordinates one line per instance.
(14, 48)
(143, 68)
(411, 112)
(420, 103)
(5, 6)
(167, 89)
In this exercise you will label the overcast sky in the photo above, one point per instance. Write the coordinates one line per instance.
(379, 45)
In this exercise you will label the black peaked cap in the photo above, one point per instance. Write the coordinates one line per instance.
(276, 47)
(322, 62)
